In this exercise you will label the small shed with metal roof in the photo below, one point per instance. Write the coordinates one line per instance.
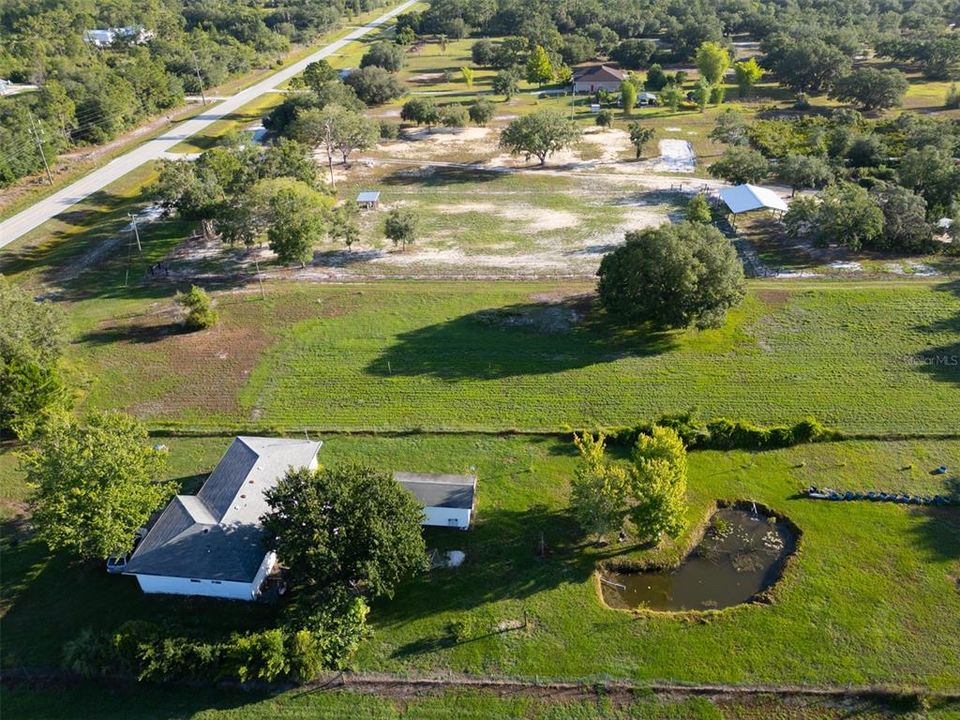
(368, 199)
(448, 500)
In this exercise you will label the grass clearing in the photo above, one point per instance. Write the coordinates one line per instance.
(870, 358)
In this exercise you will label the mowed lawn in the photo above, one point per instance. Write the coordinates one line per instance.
(141, 703)
(871, 597)
(865, 357)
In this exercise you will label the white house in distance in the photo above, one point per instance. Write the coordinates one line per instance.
(448, 500)
(211, 543)
(592, 78)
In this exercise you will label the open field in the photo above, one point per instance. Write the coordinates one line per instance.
(871, 357)
(850, 610)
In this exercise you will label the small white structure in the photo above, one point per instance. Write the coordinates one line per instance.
(107, 36)
(448, 500)
(211, 543)
(368, 199)
(647, 98)
(747, 198)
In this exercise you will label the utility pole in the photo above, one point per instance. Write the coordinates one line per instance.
(36, 136)
(136, 231)
(260, 280)
(196, 67)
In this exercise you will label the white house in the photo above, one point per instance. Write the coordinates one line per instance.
(211, 543)
(448, 500)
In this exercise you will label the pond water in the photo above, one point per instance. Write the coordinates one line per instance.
(741, 554)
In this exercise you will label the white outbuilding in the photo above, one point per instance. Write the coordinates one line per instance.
(448, 500)
(747, 198)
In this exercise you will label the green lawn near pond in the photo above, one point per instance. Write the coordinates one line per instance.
(871, 597)
(865, 357)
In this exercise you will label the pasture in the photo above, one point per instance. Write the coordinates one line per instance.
(866, 358)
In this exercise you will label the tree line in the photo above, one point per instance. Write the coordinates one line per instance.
(90, 94)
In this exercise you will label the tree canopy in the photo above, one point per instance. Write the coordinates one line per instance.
(672, 276)
(95, 482)
(31, 344)
(871, 89)
(541, 133)
(344, 529)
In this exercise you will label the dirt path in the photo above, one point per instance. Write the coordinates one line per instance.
(404, 686)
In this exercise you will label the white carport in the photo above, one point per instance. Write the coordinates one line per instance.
(748, 198)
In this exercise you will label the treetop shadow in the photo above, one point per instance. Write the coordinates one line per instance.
(536, 338)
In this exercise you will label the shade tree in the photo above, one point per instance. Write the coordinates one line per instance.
(672, 276)
(95, 482)
(541, 134)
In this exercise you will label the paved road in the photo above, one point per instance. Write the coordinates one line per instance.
(43, 210)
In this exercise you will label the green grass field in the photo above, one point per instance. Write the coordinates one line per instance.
(867, 358)
(870, 599)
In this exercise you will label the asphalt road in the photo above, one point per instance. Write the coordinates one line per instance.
(43, 210)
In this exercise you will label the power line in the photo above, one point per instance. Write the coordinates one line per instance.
(36, 136)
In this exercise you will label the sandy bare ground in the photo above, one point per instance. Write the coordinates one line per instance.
(676, 156)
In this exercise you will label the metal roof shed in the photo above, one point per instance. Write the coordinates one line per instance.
(448, 500)
(368, 199)
(747, 198)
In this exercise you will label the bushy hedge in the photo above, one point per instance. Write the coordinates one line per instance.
(149, 653)
(726, 434)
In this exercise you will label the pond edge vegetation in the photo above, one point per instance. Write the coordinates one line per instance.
(762, 598)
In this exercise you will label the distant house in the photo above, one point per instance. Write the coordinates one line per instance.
(592, 78)
(105, 37)
(211, 543)
(448, 500)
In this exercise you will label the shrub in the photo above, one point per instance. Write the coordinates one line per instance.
(481, 112)
(384, 54)
(199, 309)
(725, 434)
(91, 655)
(604, 118)
(952, 101)
(389, 130)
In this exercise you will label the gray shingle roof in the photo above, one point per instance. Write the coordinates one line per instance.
(437, 490)
(216, 533)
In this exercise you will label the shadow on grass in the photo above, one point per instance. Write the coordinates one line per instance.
(443, 176)
(518, 340)
(943, 362)
(938, 534)
(90, 699)
(510, 555)
(49, 599)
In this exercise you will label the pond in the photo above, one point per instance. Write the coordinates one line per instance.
(742, 553)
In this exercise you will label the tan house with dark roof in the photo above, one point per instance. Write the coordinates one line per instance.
(592, 78)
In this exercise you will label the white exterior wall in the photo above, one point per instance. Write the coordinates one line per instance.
(269, 560)
(185, 586)
(442, 517)
(227, 589)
